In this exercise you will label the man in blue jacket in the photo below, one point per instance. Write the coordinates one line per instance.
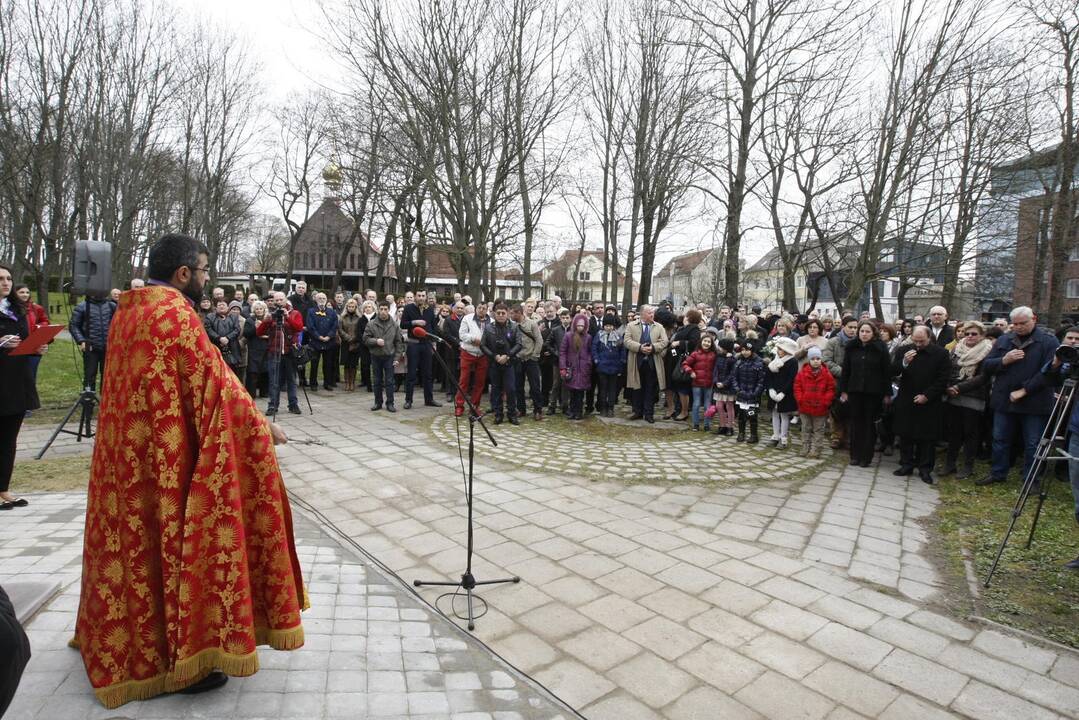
(1022, 396)
(322, 323)
(1057, 370)
(89, 328)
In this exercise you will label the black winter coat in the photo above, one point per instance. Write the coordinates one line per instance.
(783, 382)
(17, 390)
(90, 322)
(501, 340)
(747, 379)
(867, 368)
(926, 375)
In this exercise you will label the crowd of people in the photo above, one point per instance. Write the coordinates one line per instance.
(856, 383)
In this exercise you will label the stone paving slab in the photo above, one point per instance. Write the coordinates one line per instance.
(780, 577)
(372, 649)
(635, 610)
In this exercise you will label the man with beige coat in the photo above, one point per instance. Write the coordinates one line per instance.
(646, 341)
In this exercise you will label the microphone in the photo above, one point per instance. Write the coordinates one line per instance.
(422, 334)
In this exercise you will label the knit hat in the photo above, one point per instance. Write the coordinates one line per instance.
(787, 345)
(814, 352)
(727, 344)
(714, 332)
(236, 304)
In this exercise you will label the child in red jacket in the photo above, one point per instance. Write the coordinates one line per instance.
(814, 389)
(699, 366)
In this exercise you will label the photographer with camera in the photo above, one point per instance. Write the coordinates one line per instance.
(1065, 364)
(282, 327)
(1021, 395)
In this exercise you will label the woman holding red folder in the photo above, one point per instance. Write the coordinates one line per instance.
(18, 394)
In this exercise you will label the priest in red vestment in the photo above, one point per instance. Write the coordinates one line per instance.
(189, 561)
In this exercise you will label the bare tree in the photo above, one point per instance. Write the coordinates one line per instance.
(297, 165)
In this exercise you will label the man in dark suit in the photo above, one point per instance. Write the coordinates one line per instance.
(419, 314)
(923, 369)
(939, 329)
(595, 324)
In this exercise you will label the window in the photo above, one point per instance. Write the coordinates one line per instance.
(352, 261)
(584, 294)
(584, 275)
(1073, 256)
(1072, 289)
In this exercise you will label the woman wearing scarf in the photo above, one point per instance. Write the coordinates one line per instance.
(968, 389)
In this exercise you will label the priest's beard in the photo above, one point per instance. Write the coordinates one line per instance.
(194, 288)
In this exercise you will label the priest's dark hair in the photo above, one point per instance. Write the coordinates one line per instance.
(172, 252)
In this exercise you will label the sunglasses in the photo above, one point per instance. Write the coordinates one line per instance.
(973, 334)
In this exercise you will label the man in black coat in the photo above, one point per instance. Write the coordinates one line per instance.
(941, 332)
(501, 343)
(89, 328)
(302, 302)
(420, 354)
(923, 369)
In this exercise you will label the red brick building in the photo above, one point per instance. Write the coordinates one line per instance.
(1034, 242)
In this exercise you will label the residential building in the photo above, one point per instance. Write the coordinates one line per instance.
(557, 278)
(1013, 237)
(691, 278)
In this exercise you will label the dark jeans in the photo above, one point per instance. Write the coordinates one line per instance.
(502, 380)
(419, 363)
(93, 364)
(530, 370)
(576, 400)
(382, 373)
(644, 399)
(590, 397)
(1005, 425)
(964, 432)
(14, 652)
(548, 373)
(365, 366)
(452, 356)
(608, 391)
(282, 370)
(864, 409)
(917, 454)
(9, 435)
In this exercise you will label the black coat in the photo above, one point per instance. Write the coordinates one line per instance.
(926, 375)
(17, 390)
(501, 340)
(867, 368)
(947, 334)
(783, 382)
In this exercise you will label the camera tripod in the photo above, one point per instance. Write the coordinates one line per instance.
(1047, 451)
(86, 402)
(276, 363)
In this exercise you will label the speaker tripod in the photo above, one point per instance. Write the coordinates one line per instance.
(468, 581)
(86, 403)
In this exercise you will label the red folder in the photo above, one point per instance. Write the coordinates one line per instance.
(38, 336)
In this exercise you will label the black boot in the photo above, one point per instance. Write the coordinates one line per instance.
(753, 439)
(741, 429)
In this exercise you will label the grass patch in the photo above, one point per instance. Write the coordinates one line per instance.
(1030, 590)
(51, 475)
(59, 381)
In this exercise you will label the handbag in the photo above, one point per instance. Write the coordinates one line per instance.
(679, 374)
(301, 354)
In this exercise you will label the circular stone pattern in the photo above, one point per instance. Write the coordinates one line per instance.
(620, 451)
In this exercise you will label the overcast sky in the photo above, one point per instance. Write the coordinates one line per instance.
(279, 35)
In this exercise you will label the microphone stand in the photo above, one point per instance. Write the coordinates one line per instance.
(468, 581)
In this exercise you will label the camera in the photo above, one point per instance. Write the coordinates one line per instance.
(1067, 354)
(279, 314)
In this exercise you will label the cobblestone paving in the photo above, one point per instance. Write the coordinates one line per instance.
(371, 650)
(678, 601)
(608, 459)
